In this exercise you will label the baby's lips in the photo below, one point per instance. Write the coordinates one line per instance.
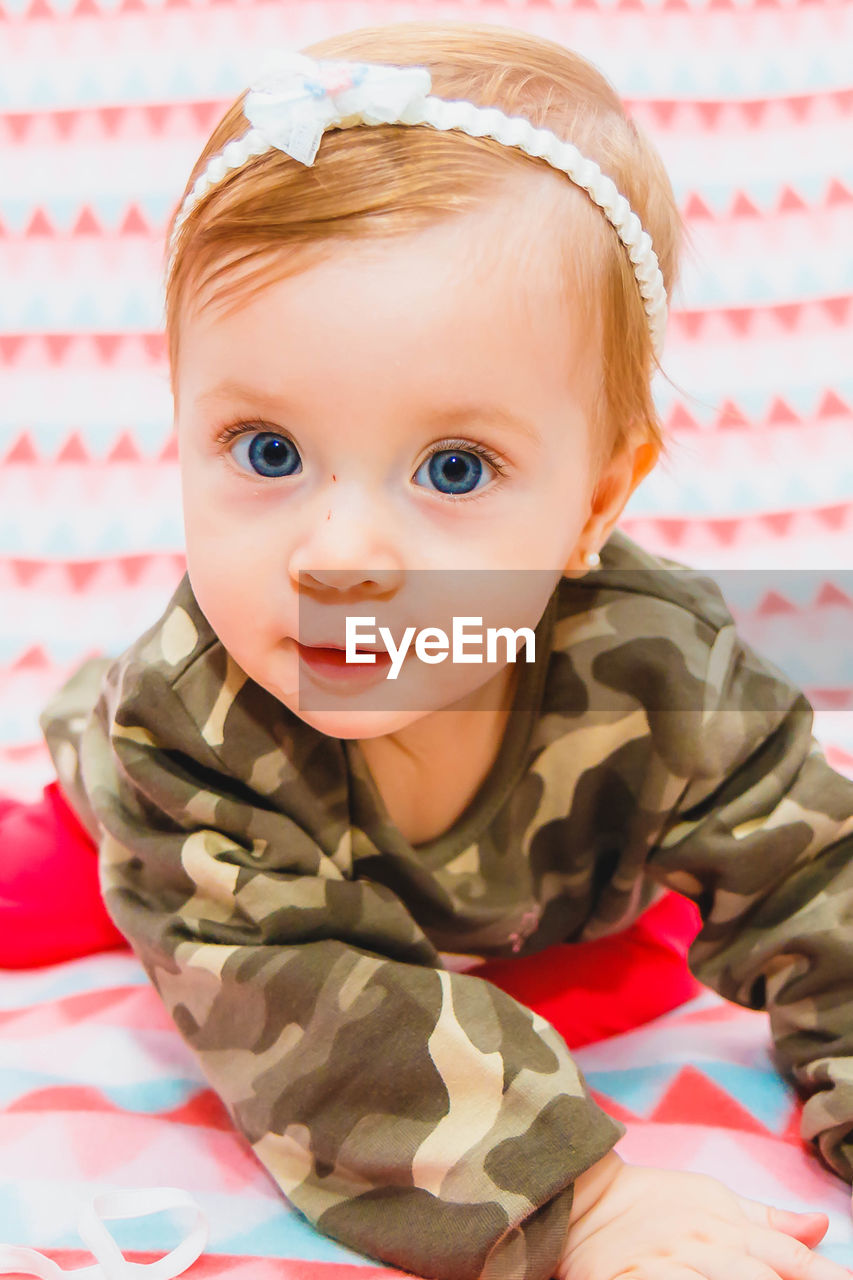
(341, 644)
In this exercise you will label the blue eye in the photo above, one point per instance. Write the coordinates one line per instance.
(454, 471)
(267, 454)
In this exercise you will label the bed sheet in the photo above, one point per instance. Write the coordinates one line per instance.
(98, 1093)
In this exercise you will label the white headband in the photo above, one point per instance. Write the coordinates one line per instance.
(294, 99)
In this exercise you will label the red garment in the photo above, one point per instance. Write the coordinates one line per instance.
(50, 902)
(51, 910)
(591, 990)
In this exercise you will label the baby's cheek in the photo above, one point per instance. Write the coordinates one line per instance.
(228, 598)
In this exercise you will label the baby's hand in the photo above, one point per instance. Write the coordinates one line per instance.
(656, 1224)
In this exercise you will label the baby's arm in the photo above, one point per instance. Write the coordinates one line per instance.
(762, 840)
(419, 1116)
(655, 1224)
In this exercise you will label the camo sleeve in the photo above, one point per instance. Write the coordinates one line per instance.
(762, 841)
(419, 1116)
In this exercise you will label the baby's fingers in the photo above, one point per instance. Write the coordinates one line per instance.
(810, 1228)
(715, 1263)
(790, 1259)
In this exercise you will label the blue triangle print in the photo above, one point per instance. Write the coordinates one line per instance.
(152, 1096)
(99, 437)
(718, 195)
(286, 1234)
(168, 536)
(757, 288)
(85, 315)
(10, 539)
(709, 291)
(10, 647)
(110, 208)
(157, 206)
(153, 436)
(682, 81)
(15, 211)
(639, 1089)
(639, 79)
(17, 728)
(138, 313)
(663, 395)
(773, 81)
(62, 541)
(65, 646)
(114, 539)
(160, 1232)
(50, 435)
(764, 192)
(798, 491)
(16, 1219)
(802, 398)
(226, 81)
(821, 75)
(644, 501)
(135, 87)
(808, 282)
(764, 1094)
(36, 315)
(692, 501)
(811, 186)
(42, 91)
(15, 1084)
(89, 90)
(728, 83)
(741, 497)
(178, 88)
(62, 210)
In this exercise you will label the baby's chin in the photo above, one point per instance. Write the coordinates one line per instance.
(352, 723)
(337, 714)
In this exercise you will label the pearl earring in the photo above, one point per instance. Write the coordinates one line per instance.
(593, 559)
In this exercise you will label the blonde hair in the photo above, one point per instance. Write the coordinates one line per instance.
(277, 217)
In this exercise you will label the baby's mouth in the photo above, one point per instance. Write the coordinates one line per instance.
(335, 646)
(331, 660)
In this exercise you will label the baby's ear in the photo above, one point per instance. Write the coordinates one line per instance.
(646, 457)
(617, 480)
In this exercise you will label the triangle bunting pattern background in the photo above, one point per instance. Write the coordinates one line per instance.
(104, 105)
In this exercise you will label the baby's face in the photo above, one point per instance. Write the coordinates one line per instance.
(408, 405)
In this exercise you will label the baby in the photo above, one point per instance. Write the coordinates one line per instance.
(411, 370)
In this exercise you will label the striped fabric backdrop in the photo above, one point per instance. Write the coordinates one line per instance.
(104, 105)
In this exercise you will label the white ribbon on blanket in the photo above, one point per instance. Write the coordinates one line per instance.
(111, 1263)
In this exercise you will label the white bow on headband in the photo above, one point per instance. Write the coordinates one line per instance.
(294, 99)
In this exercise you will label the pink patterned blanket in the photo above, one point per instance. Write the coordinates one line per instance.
(98, 1093)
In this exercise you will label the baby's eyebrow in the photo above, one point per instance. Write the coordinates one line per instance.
(236, 390)
(445, 417)
(493, 414)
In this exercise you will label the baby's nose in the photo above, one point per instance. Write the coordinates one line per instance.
(348, 541)
(349, 579)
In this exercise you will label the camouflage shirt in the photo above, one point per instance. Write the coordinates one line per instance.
(418, 1114)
